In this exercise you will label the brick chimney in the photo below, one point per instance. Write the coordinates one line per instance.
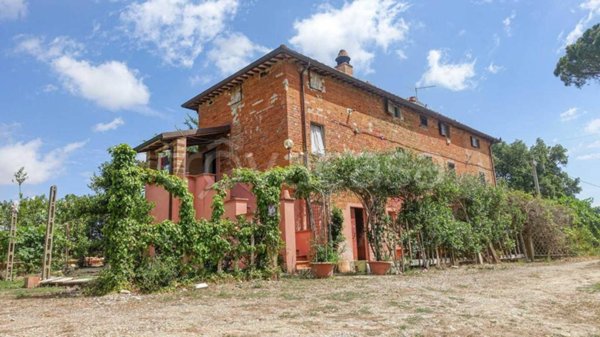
(343, 62)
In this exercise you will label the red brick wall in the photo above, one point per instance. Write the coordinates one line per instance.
(370, 127)
(258, 122)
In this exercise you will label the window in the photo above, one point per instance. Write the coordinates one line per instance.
(474, 142)
(424, 121)
(315, 81)
(317, 139)
(451, 166)
(394, 110)
(236, 95)
(444, 129)
(164, 161)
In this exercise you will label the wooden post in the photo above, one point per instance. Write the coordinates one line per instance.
(10, 257)
(47, 262)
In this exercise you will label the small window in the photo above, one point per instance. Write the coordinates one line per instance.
(317, 139)
(482, 177)
(451, 166)
(424, 121)
(444, 129)
(315, 81)
(236, 95)
(164, 161)
(474, 142)
(394, 110)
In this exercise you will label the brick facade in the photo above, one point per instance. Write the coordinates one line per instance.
(265, 108)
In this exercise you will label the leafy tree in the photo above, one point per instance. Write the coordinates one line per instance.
(581, 64)
(513, 163)
(20, 177)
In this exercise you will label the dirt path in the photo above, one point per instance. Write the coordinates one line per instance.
(558, 299)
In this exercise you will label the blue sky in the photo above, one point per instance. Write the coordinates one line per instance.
(77, 77)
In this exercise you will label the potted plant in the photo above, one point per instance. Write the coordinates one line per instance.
(377, 235)
(324, 259)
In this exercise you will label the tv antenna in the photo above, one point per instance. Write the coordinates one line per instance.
(418, 88)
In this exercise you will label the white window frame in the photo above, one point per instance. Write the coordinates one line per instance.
(317, 139)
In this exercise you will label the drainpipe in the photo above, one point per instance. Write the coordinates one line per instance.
(493, 165)
(309, 213)
(303, 115)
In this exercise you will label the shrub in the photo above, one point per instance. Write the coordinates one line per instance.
(156, 273)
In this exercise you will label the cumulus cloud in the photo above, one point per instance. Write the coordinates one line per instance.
(178, 29)
(232, 52)
(112, 125)
(360, 27)
(12, 9)
(593, 126)
(111, 85)
(40, 164)
(453, 76)
(593, 10)
(570, 114)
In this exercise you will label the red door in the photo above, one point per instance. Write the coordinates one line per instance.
(359, 234)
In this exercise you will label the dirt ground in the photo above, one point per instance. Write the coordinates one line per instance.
(541, 299)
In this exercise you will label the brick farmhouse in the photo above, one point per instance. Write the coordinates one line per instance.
(287, 108)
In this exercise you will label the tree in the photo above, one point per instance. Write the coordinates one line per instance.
(20, 177)
(191, 121)
(582, 61)
(513, 163)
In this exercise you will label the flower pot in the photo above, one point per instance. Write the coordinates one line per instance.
(380, 267)
(322, 269)
(361, 266)
(345, 267)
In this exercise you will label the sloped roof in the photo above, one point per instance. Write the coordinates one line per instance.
(283, 52)
(194, 136)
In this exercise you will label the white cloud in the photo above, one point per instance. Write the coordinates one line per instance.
(401, 54)
(593, 9)
(593, 126)
(575, 33)
(111, 85)
(507, 22)
(494, 68)
(455, 77)
(39, 164)
(591, 156)
(12, 9)
(179, 29)
(570, 114)
(359, 27)
(234, 51)
(112, 125)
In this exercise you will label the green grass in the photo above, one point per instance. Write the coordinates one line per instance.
(8, 285)
(593, 288)
(345, 296)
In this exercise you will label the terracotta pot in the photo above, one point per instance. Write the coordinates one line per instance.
(380, 267)
(361, 266)
(345, 267)
(322, 269)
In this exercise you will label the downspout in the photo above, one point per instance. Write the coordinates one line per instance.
(492, 161)
(309, 213)
(303, 115)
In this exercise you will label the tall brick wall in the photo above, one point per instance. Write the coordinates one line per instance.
(258, 121)
(370, 127)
